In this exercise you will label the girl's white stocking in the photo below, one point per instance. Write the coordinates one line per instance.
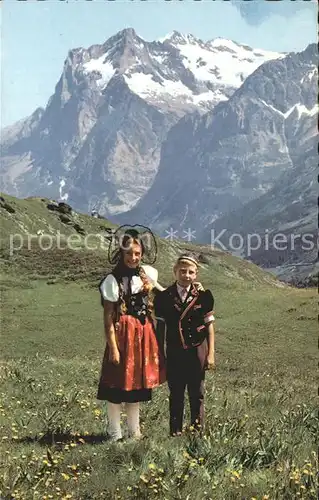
(133, 419)
(114, 421)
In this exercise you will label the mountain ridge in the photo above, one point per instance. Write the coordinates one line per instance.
(89, 96)
(236, 123)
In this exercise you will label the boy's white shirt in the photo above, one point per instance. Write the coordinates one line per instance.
(110, 289)
(181, 289)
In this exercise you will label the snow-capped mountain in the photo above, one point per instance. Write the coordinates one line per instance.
(179, 71)
(213, 166)
(97, 142)
(202, 74)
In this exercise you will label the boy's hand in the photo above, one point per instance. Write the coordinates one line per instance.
(210, 362)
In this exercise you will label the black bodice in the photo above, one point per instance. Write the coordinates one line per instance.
(137, 306)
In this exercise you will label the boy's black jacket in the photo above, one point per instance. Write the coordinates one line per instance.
(185, 321)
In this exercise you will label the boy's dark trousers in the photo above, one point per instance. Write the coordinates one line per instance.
(186, 368)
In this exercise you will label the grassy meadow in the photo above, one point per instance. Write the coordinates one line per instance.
(261, 407)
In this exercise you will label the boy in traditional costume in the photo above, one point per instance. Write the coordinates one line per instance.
(188, 314)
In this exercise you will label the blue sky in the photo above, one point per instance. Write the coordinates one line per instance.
(36, 36)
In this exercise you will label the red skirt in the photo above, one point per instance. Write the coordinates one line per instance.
(142, 364)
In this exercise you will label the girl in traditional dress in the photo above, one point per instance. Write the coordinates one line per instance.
(133, 362)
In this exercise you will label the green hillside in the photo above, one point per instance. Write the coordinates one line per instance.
(260, 404)
(40, 242)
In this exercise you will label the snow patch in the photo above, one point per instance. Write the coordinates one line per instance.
(185, 215)
(145, 86)
(212, 64)
(180, 37)
(272, 107)
(302, 110)
(65, 196)
(224, 43)
(159, 58)
(314, 110)
(309, 75)
(209, 96)
(164, 38)
(105, 68)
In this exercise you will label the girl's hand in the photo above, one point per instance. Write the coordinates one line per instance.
(199, 286)
(115, 356)
(210, 362)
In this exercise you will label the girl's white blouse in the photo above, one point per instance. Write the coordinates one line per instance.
(110, 289)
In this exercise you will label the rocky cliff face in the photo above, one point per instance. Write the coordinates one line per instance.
(216, 164)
